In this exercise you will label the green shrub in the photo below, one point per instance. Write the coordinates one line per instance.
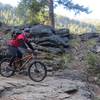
(93, 61)
(74, 42)
(90, 43)
(66, 58)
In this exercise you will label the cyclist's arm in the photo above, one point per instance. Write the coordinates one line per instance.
(22, 41)
(30, 45)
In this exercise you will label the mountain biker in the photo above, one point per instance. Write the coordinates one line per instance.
(21, 40)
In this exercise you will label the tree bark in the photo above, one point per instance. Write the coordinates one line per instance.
(51, 13)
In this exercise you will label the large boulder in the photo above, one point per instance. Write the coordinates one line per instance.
(42, 30)
(64, 34)
(53, 39)
(62, 31)
(48, 37)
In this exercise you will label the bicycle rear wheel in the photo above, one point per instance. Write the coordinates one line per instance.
(37, 71)
(5, 68)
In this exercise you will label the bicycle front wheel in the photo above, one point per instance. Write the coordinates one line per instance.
(37, 71)
(5, 68)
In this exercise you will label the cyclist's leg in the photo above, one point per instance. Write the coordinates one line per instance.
(19, 55)
(13, 53)
(12, 60)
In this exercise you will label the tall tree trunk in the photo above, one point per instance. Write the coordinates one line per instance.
(51, 13)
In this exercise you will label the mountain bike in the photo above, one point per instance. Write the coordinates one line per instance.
(37, 70)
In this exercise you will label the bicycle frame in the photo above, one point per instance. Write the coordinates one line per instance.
(26, 59)
(35, 73)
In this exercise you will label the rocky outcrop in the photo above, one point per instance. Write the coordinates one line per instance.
(46, 36)
(41, 30)
(87, 36)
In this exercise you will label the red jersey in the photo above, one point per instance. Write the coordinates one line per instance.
(16, 42)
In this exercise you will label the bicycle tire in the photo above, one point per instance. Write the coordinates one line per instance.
(6, 60)
(32, 77)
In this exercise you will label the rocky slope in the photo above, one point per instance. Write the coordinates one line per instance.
(52, 88)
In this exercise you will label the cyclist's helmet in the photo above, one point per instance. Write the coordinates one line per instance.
(27, 30)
